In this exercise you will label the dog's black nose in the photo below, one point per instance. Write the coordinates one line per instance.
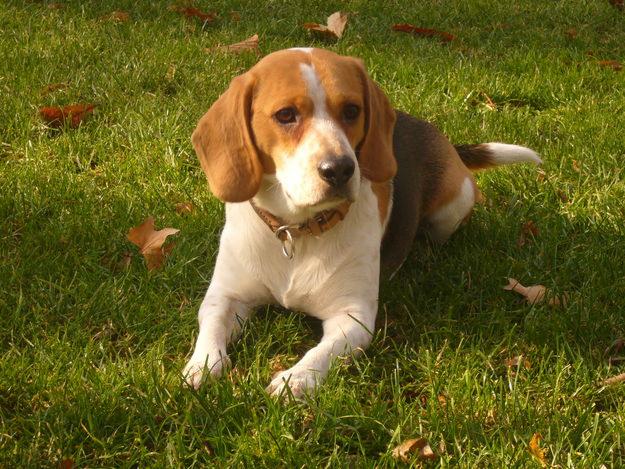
(336, 170)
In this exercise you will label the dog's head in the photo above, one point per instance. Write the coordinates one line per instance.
(309, 120)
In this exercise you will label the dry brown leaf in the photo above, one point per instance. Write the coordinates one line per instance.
(423, 32)
(518, 361)
(150, 242)
(408, 448)
(616, 347)
(614, 380)
(52, 87)
(618, 4)
(490, 104)
(335, 25)
(571, 33)
(536, 450)
(535, 294)
(73, 114)
(576, 167)
(562, 195)
(279, 362)
(184, 207)
(541, 175)
(117, 16)
(613, 64)
(125, 261)
(529, 231)
(191, 12)
(249, 44)
(67, 464)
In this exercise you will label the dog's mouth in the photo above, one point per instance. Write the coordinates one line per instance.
(332, 198)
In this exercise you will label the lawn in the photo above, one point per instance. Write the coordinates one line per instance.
(92, 343)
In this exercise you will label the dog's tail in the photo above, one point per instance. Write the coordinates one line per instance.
(487, 155)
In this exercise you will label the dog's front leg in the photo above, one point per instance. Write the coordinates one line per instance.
(346, 333)
(221, 319)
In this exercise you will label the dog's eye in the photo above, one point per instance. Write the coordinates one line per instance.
(351, 112)
(287, 115)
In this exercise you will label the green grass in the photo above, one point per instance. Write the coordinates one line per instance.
(90, 354)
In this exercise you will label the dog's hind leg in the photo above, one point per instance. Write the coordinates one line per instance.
(443, 220)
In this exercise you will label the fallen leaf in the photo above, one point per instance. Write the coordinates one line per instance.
(117, 263)
(171, 72)
(535, 294)
(66, 464)
(117, 16)
(191, 12)
(249, 44)
(335, 25)
(46, 90)
(618, 4)
(571, 33)
(150, 242)
(124, 263)
(541, 175)
(518, 361)
(529, 230)
(536, 450)
(279, 363)
(562, 195)
(614, 380)
(184, 207)
(74, 114)
(423, 32)
(208, 448)
(442, 447)
(418, 446)
(490, 104)
(615, 347)
(613, 64)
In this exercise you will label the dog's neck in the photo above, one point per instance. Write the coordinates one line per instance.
(272, 198)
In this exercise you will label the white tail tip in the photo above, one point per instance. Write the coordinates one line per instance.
(504, 153)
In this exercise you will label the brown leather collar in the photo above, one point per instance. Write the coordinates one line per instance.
(320, 223)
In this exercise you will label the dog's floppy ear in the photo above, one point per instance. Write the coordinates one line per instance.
(376, 158)
(225, 146)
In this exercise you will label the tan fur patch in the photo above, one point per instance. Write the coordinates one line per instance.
(382, 191)
(453, 175)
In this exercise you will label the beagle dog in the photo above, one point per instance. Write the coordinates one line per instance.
(326, 185)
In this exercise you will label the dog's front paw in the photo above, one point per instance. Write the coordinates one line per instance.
(195, 369)
(299, 380)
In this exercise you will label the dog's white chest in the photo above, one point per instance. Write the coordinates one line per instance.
(341, 262)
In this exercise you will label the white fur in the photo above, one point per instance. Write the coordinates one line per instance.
(446, 220)
(505, 153)
(333, 277)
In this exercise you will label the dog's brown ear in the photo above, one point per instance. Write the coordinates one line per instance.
(225, 146)
(376, 157)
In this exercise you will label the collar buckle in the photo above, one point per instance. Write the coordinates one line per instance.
(288, 246)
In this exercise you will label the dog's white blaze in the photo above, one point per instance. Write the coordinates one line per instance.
(447, 219)
(504, 153)
(315, 90)
(322, 124)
